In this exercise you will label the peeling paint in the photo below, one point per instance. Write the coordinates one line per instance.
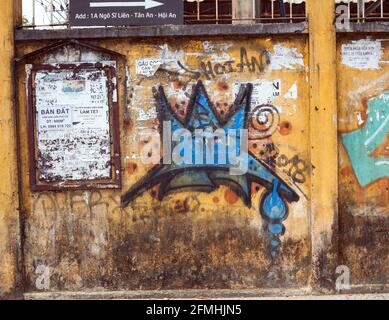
(264, 91)
(89, 240)
(363, 158)
(286, 58)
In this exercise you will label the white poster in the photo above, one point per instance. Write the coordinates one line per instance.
(264, 91)
(148, 67)
(362, 54)
(73, 125)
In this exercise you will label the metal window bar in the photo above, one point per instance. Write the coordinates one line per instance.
(366, 10)
(54, 13)
(45, 13)
(264, 11)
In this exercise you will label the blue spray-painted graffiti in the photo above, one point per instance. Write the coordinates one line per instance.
(361, 143)
(206, 177)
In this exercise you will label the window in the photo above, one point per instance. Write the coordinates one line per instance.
(257, 11)
(54, 13)
(38, 13)
(364, 10)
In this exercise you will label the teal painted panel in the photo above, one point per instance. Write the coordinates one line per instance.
(361, 143)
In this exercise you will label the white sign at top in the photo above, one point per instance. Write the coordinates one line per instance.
(148, 4)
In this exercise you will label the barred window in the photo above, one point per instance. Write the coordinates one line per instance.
(258, 11)
(39, 13)
(54, 13)
(364, 10)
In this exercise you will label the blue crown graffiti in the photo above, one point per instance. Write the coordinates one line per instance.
(207, 177)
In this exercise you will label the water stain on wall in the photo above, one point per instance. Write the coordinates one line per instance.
(191, 239)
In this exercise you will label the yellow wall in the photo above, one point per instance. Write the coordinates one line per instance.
(79, 240)
(9, 215)
(190, 239)
(364, 164)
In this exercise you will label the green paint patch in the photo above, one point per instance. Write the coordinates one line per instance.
(360, 144)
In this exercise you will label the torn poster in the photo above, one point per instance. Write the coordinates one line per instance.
(264, 91)
(73, 125)
(148, 67)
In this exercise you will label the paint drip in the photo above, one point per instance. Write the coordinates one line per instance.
(275, 210)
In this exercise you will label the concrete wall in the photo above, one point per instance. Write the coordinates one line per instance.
(364, 159)
(190, 239)
(99, 239)
(9, 215)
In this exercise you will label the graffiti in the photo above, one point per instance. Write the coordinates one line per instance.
(295, 167)
(92, 202)
(57, 203)
(253, 63)
(368, 146)
(210, 70)
(206, 177)
(265, 121)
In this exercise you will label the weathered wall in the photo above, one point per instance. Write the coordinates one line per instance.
(89, 240)
(363, 99)
(9, 220)
(323, 144)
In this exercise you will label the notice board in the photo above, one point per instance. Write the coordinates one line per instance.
(73, 126)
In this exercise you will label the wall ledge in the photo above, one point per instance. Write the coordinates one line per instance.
(367, 27)
(161, 31)
(366, 292)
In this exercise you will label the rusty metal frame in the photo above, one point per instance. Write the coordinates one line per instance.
(116, 178)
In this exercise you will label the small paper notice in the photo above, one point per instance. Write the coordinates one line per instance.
(148, 67)
(362, 54)
(264, 91)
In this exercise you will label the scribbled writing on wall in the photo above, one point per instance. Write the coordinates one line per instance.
(253, 64)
